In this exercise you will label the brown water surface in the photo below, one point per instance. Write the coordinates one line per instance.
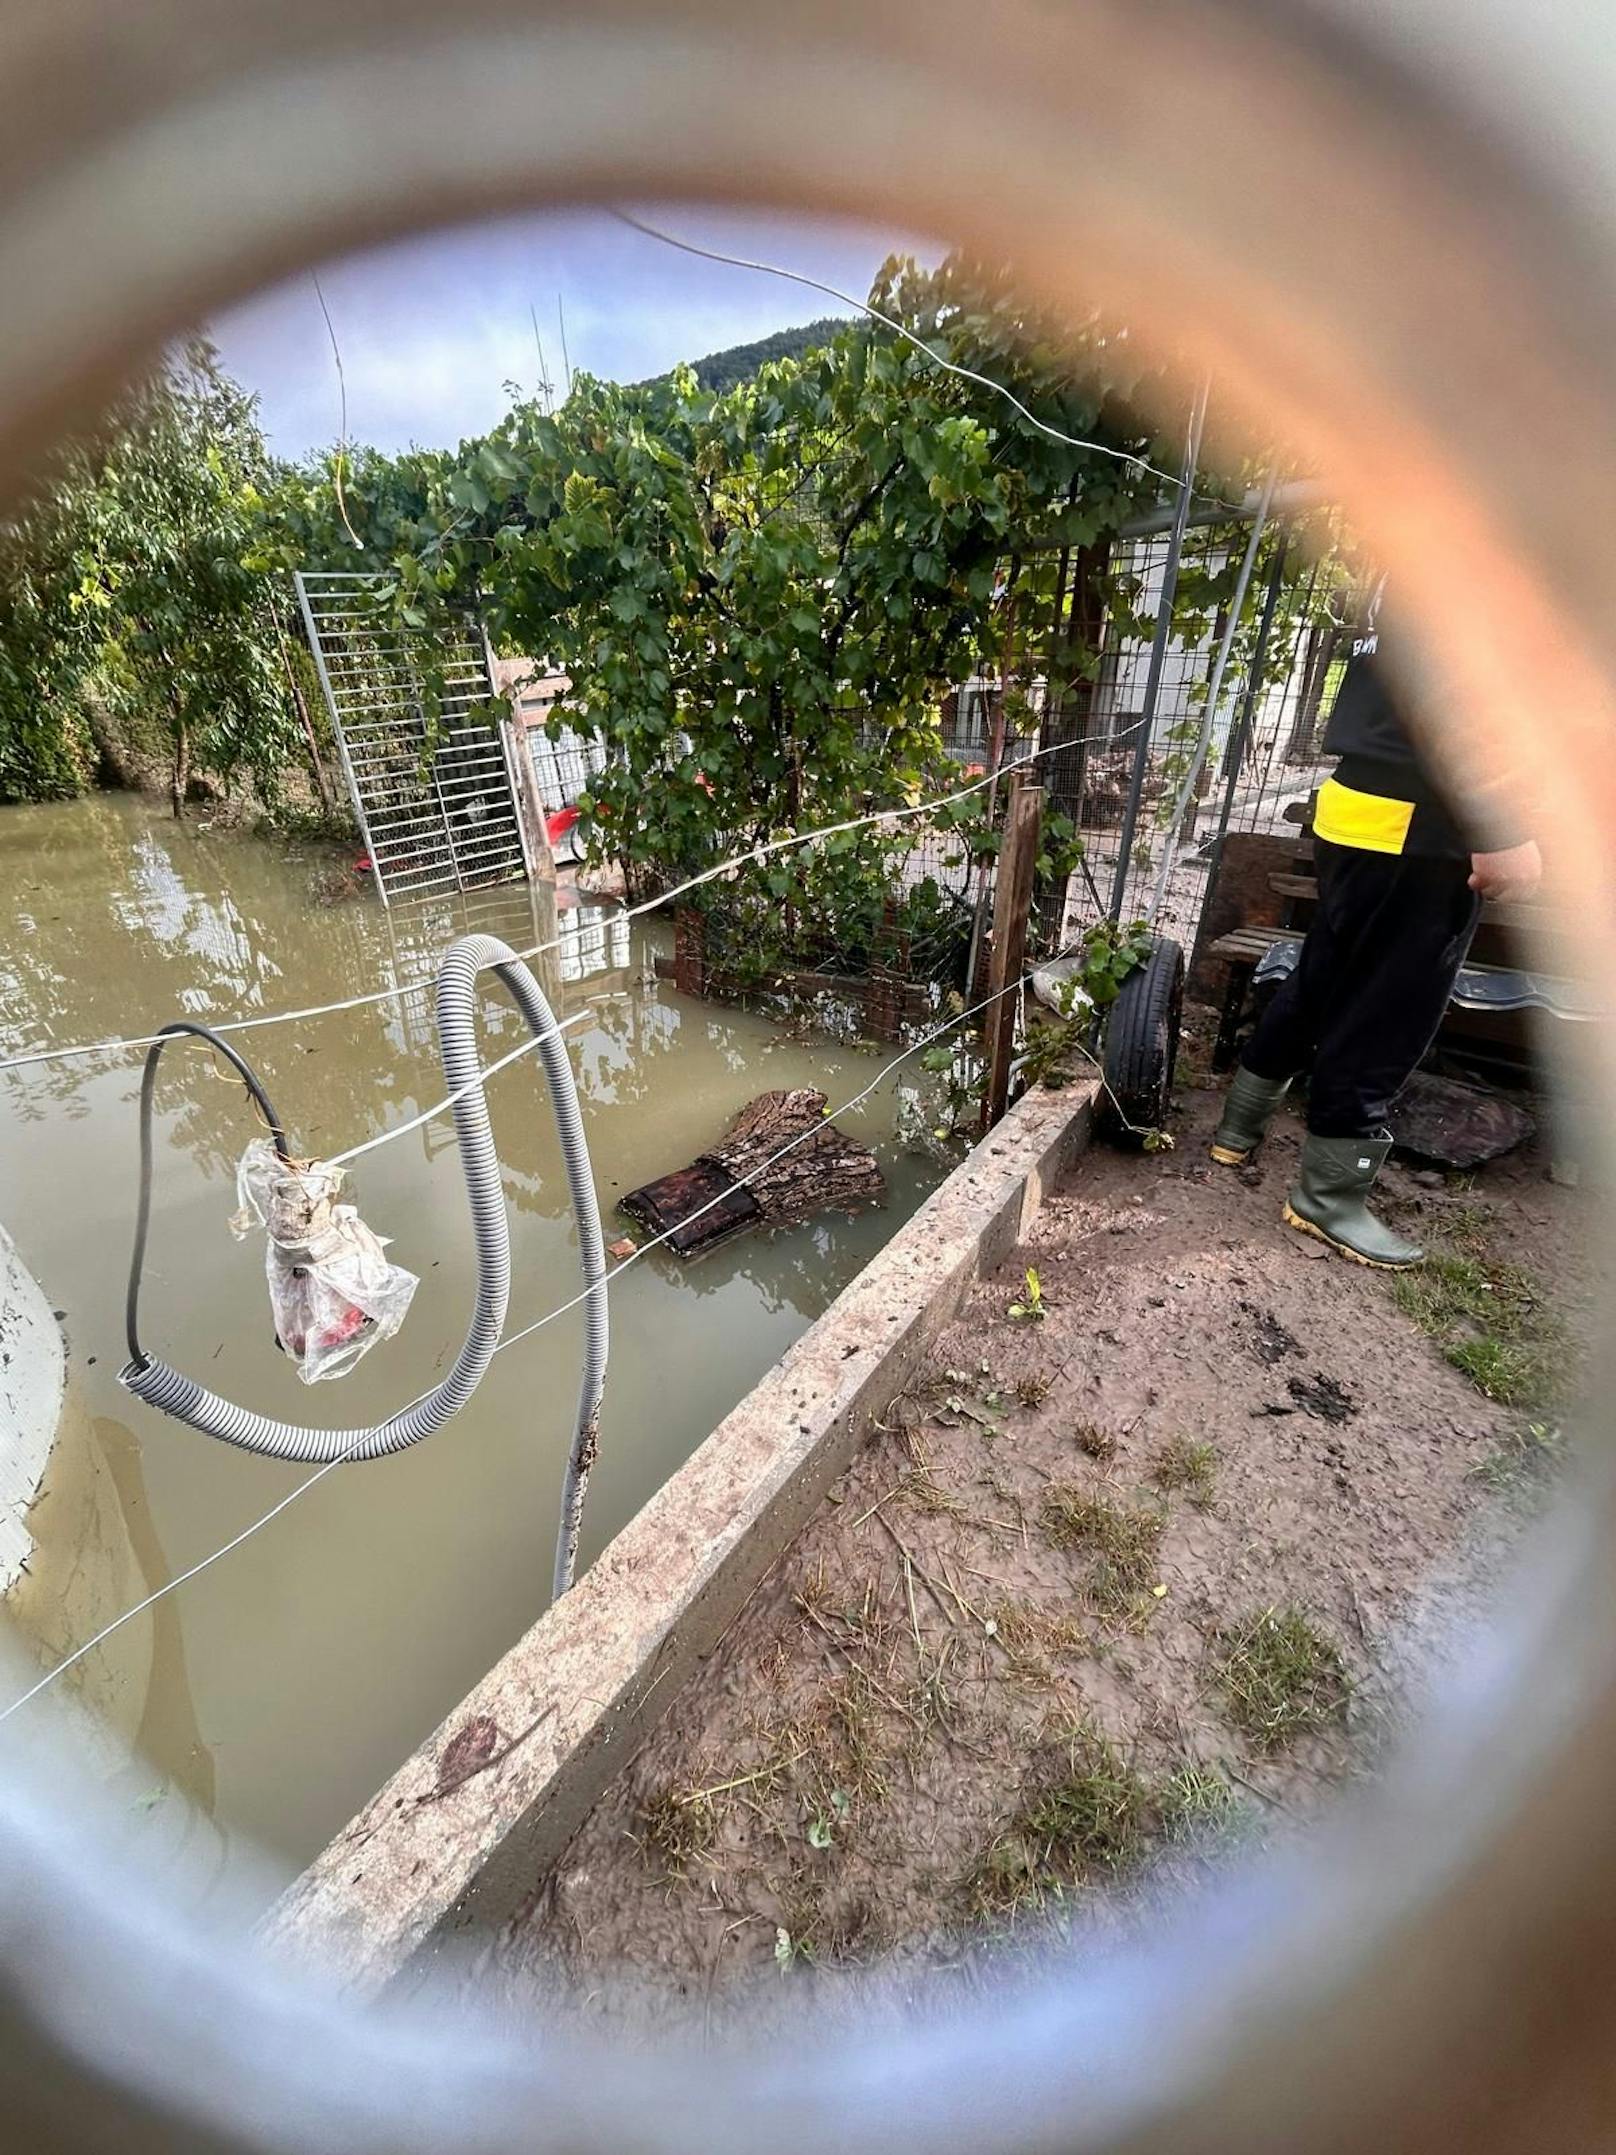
(278, 1689)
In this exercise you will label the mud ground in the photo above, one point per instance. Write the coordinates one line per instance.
(998, 1678)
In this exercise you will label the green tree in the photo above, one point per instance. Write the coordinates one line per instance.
(760, 596)
(124, 585)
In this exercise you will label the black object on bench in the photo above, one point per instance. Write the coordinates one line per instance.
(1255, 955)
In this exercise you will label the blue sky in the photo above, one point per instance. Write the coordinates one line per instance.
(431, 330)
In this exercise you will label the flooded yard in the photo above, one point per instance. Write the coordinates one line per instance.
(276, 1690)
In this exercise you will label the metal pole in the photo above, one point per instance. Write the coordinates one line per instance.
(1012, 896)
(443, 809)
(1214, 696)
(1158, 648)
(1295, 498)
(318, 651)
(984, 880)
(1241, 730)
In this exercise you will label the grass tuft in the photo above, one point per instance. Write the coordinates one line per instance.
(1087, 1815)
(1123, 1539)
(841, 1741)
(1196, 1799)
(1281, 1676)
(1093, 1441)
(1506, 1371)
(676, 1831)
(1088, 1818)
(1490, 1320)
(1188, 1466)
(1029, 1637)
(923, 1492)
(1525, 1459)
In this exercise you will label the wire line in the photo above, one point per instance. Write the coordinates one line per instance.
(183, 1578)
(401, 992)
(887, 321)
(171, 1586)
(342, 409)
(462, 1092)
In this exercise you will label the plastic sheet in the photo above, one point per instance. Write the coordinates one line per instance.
(333, 1291)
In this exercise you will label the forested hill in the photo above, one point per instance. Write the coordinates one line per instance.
(722, 370)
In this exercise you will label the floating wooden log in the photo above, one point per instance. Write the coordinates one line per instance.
(740, 1184)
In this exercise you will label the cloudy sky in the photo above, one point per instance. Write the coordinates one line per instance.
(431, 331)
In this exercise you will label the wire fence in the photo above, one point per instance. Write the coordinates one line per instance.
(1202, 750)
(1173, 727)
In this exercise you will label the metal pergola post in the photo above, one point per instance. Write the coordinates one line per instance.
(1158, 649)
(1182, 807)
(1240, 732)
(518, 786)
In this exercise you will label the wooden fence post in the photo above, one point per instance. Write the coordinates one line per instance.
(1012, 899)
(888, 973)
(690, 951)
(529, 807)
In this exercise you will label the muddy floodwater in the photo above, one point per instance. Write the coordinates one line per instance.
(278, 1689)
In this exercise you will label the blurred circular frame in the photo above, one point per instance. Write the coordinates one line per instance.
(1294, 198)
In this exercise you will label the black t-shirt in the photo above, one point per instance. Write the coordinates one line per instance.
(1367, 731)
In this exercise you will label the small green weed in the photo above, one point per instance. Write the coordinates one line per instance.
(822, 1828)
(1280, 1676)
(1188, 1466)
(1029, 1305)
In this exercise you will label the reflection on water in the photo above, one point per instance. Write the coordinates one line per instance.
(279, 1688)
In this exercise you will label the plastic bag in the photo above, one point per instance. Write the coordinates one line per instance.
(333, 1293)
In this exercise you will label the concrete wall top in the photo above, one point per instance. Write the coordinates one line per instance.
(486, 1807)
(33, 1371)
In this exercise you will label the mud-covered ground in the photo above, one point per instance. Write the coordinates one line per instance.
(1120, 1583)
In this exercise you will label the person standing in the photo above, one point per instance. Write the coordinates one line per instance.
(1402, 871)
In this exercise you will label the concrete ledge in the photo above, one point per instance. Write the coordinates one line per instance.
(33, 1371)
(483, 1810)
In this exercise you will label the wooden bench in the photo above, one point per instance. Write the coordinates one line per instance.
(1241, 950)
(1520, 919)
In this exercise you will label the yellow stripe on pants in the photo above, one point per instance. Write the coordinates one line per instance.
(1370, 821)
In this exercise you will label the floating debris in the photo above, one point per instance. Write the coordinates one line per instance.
(779, 1163)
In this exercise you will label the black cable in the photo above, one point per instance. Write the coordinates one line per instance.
(1088, 877)
(148, 1080)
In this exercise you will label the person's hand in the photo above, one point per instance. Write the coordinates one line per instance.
(1514, 873)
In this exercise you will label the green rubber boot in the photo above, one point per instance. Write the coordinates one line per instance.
(1329, 1201)
(1248, 1109)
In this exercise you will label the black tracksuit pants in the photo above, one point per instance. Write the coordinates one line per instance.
(1362, 1007)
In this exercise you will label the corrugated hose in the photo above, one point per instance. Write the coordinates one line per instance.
(156, 1382)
